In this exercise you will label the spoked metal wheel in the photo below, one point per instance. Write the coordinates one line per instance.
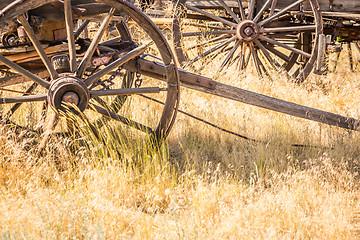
(264, 36)
(84, 75)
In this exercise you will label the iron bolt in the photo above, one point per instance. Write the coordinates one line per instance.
(71, 97)
(248, 31)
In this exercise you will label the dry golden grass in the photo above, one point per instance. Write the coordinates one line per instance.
(202, 184)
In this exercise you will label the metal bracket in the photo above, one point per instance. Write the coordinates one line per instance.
(320, 62)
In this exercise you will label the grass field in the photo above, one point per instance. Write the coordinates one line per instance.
(202, 183)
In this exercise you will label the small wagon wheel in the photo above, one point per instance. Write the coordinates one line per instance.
(274, 34)
(77, 84)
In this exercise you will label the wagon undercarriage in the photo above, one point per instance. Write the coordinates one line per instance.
(104, 72)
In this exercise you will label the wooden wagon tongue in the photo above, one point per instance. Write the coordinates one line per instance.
(207, 85)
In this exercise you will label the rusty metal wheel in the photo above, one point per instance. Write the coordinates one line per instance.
(80, 75)
(265, 36)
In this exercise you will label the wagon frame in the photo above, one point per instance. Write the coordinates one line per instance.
(82, 72)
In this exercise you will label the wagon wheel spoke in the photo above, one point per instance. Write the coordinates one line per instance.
(127, 80)
(101, 121)
(260, 13)
(242, 57)
(263, 68)
(276, 52)
(208, 60)
(267, 54)
(6, 118)
(121, 61)
(272, 8)
(217, 47)
(231, 24)
(205, 55)
(289, 29)
(81, 28)
(36, 43)
(247, 58)
(255, 59)
(16, 106)
(24, 72)
(251, 9)
(94, 43)
(281, 12)
(211, 41)
(70, 34)
(227, 8)
(242, 11)
(295, 50)
(122, 119)
(230, 55)
(23, 99)
(283, 35)
(290, 60)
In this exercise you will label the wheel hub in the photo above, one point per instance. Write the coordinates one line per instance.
(247, 31)
(68, 89)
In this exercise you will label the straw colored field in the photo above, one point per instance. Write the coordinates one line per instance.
(203, 183)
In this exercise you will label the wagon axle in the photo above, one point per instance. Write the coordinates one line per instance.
(247, 31)
(68, 89)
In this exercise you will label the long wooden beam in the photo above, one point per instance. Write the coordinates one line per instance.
(25, 55)
(209, 86)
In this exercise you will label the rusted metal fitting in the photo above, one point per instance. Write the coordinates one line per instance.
(247, 31)
(68, 89)
(61, 63)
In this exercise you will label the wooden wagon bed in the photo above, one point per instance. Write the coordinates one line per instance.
(325, 5)
(347, 9)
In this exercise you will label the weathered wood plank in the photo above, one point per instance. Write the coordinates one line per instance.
(17, 78)
(345, 15)
(340, 5)
(157, 70)
(26, 55)
(248, 97)
(17, 50)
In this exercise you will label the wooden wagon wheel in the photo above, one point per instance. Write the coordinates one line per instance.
(274, 34)
(76, 85)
